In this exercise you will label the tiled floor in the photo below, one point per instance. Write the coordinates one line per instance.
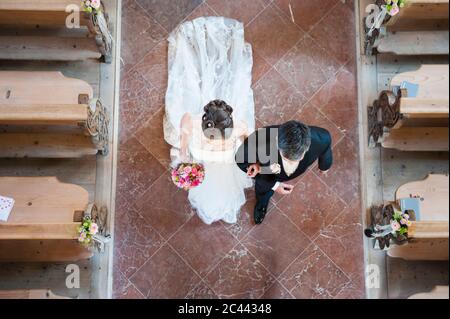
(310, 245)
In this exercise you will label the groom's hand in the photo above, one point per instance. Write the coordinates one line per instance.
(253, 170)
(284, 189)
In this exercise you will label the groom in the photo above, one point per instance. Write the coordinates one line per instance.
(276, 154)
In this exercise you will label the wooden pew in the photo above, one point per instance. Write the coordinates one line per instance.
(44, 208)
(420, 28)
(430, 235)
(420, 14)
(55, 251)
(29, 294)
(418, 123)
(50, 99)
(43, 225)
(53, 13)
(439, 292)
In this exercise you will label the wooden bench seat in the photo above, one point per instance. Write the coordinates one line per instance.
(417, 13)
(433, 81)
(420, 139)
(438, 292)
(50, 98)
(29, 294)
(414, 123)
(51, 13)
(57, 114)
(43, 251)
(415, 43)
(37, 5)
(430, 234)
(44, 208)
(47, 48)
(45, 145)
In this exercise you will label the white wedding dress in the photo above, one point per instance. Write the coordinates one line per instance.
(209, 60)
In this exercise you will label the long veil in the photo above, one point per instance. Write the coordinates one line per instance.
(208, 59)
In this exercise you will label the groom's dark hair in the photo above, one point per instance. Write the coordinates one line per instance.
(294, 140)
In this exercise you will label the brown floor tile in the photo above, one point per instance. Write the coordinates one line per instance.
(245, 221)
(355, 289)
(336, 33)
(276, 242)
(312, 205)
(165, 206)
(140, 33)
(343, 176)
(241, 10)
(151, 135)
(342, 241)
(310, 115)
(203, 10)
(201, 291)
(272, 35)
(165, 275)
(240, 275)
(306, 14)
(337, 99)
(123, 288)
(133, 87)
(313, 276)
(139, 101)
(277, 291)
(307, 66)
(201, 245)
(169, 13)
(276, 101)
(137, 170)
(153, 67)
(260, 67)
(135, 240)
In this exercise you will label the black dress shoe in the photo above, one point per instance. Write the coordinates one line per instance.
(259, 213)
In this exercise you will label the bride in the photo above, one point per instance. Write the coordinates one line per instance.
(210, 110)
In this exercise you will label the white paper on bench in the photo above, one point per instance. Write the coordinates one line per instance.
(6, 205)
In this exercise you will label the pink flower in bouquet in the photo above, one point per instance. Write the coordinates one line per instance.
(187, 176)
(187, 170)
(395, 225)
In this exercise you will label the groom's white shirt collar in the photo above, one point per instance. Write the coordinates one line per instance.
(289, 168)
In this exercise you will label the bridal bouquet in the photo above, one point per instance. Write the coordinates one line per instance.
(187, 176)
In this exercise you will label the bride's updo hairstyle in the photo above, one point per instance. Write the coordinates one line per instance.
(217, 121)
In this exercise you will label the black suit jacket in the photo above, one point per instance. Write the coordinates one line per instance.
(320, 150)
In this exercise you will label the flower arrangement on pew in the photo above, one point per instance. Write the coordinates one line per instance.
(388, 224)
(399, 224)
(87, 231)
(91, 6)
(187, 176)
(393, 6)
(94, 8)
